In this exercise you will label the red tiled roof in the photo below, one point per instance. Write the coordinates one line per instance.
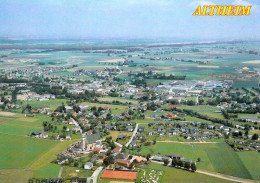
(122, 161)
(116, 149)
(96, 150)
(170, 115)
(139, 159)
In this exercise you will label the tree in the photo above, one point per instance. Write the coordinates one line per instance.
(148, 156)
(180, 163)
(193, 167)
(255, 136)
(174, 162)
(14, 95)
(123, 149)
(112, 145)
(240, 133)
(246, 133)
(108, 160)
(154, 142)
(187, 165)
(166, 162)
(76, 164)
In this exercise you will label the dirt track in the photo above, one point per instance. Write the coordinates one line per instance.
(226, 177)
(2, 113)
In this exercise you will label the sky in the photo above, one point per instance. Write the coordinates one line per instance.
(151, 19)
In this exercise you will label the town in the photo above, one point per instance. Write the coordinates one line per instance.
(116, 123)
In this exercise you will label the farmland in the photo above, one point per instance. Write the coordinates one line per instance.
(24, 157)
(213, 157)
(19, 152)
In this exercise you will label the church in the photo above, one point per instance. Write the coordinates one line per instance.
(90, 142)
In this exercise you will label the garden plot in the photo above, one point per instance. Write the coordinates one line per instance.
(150, 175)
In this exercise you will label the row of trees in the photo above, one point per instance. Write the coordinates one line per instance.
(205, 117)
(186, 165)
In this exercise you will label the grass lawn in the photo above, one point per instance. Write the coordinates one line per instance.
(69, 172)
(145, 120)
(115, 108)
(177, 175)
(13, 175)
(114, 134)
(4, 119)
(53, 104)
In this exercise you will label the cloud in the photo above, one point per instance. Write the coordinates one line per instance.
(241, 2)
(201, 3)
(255, 7)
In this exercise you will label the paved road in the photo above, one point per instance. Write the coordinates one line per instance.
(134, 133)
(60, 172)
(120, 145)
(94, 176)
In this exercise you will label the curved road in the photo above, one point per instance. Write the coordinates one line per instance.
(94, 176)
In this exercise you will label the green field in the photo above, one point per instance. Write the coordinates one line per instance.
(215, 157)
(115, 108)
(19, 152)
(53, 104)
(177, 175)
(205, 110)
(23, 157)
(114, 134)
(120, 99)
(49, 170)
(69, 172)
(251, 160)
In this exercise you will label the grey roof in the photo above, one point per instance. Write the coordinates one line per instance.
(92, 138)
(121, 156)
(120, 136)
(132, 143)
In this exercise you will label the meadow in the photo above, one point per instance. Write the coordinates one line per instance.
(210, 111)
(53, 104)
(214, 157)
(120, 99)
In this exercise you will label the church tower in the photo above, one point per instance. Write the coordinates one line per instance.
(83, 142)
